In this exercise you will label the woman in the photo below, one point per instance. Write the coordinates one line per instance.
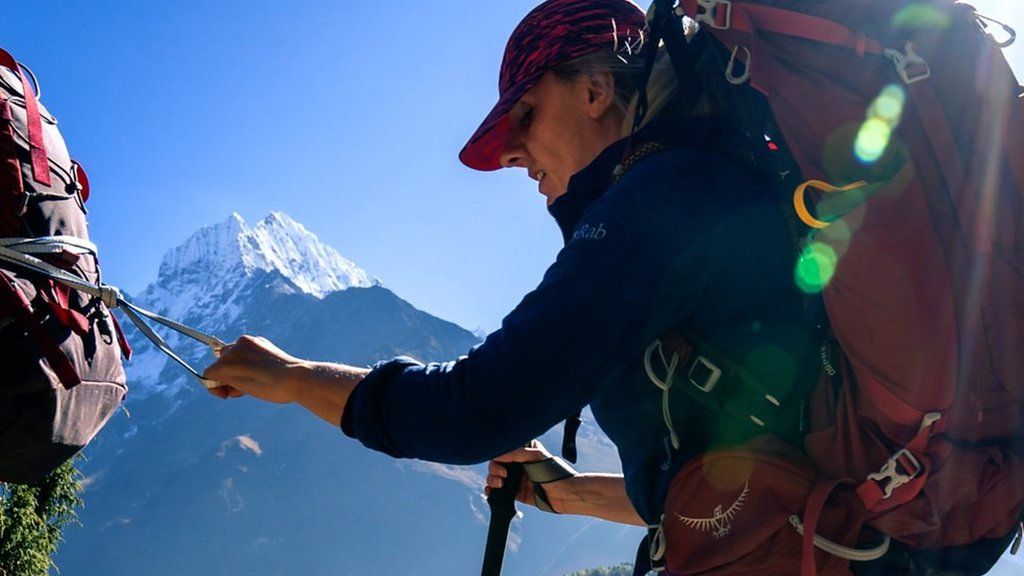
(671, 233)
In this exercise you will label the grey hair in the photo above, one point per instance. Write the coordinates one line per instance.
(625, 72)
(663, 91)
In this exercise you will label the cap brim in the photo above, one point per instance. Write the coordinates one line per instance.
(483, 151)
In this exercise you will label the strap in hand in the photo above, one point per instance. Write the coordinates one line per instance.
(547, 471)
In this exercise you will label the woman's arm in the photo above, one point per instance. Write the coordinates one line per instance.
(597, 495)
(255, 366)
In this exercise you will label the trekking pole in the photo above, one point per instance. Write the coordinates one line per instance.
(502, 502)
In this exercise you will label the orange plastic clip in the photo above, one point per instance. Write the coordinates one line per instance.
(801, 206)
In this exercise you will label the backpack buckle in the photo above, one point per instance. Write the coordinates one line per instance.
(708, 13)
(704, 374)
(900, 469)
(909, 65)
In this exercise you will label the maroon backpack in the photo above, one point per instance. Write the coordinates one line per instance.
(61, 376)
(906, 126)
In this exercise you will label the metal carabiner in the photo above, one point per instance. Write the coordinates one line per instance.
(982, 19)
(729, 76)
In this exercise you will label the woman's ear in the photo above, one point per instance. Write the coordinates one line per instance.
(600, 94)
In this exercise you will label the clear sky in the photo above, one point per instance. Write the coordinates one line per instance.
(346, 115)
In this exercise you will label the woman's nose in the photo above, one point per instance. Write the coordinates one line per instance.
(513, 153)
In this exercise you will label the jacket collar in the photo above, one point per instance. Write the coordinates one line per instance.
(591, 182)
(584, 187)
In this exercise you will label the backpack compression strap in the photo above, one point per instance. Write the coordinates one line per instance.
(18, 251)
(40, 164)
(45, 341)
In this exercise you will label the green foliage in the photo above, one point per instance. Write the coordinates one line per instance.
(32, 519)
(620, 570)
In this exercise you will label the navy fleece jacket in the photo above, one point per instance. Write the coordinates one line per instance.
(685, 238)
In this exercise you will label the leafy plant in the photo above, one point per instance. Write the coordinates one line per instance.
(33, 518)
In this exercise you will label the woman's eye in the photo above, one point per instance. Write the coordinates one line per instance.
(527, 117)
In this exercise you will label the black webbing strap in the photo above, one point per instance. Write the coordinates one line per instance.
(650, 554)
(572, 427)
(723, 385)
(682, 54)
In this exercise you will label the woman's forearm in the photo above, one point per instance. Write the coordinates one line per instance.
(597, 495)
(324, 388)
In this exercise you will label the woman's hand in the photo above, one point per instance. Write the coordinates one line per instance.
(535, 452)
(254, 365)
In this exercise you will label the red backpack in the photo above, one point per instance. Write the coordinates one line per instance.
(907, 128)
(61, 376)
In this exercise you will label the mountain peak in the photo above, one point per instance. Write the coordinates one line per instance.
(276, 243)
(209, 279)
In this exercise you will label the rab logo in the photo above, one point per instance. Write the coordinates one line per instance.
(587, 232)
(721, 522)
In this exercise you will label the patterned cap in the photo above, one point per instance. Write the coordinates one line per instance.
(554, 32)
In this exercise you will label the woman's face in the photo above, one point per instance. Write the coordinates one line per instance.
(559, 126)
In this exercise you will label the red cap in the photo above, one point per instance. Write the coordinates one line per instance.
(554, 32)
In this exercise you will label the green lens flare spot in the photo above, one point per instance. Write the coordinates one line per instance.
(921, 16)
(815, 267)
(889, 105)
(872, 140)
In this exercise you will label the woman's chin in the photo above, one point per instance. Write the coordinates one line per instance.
(550, 194)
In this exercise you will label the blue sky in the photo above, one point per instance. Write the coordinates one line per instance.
(346, 115)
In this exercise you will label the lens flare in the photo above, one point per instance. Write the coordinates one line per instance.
(921, 16)
(889, 105)
(872, 140)
(815, 267)
(883, 118)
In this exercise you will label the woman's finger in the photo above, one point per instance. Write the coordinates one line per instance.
(220, 392)
(225, 392)
(497, 469)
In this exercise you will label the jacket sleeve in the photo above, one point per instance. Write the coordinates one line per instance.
(634, 267)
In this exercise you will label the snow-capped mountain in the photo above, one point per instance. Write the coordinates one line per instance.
(206, 280)
(211, 264)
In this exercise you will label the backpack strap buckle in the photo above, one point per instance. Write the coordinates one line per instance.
(900, 469)
(704, 374)
(909, 65)
(716, 14)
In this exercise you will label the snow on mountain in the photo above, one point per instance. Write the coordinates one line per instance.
(225, 254)
(206, 280)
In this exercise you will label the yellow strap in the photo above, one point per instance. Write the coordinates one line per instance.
(801, 206)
